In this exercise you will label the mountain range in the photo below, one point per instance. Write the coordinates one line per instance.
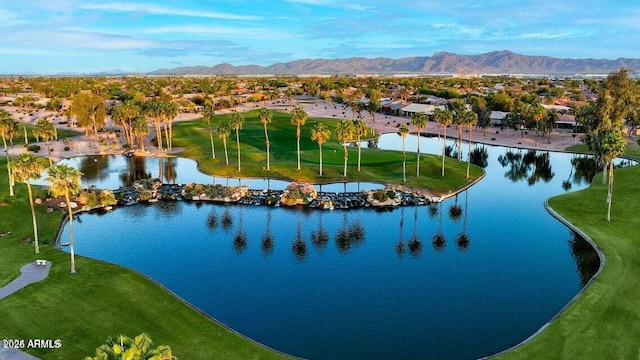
(496, 62)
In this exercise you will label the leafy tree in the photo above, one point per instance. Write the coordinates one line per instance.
(89, 111)
(207, 116)
(298, 118)
(359, 130)
(419, 120)
(65, 181)
(480, 107)
(45, 130)
(500, 101)
(236, 121)
(320, 134)
(266, 116)
(24, 169)
(404, 131)
(138, 348)
(373, 105)
(223, 133)
(344, 133)
(7, 128)
(443, 117)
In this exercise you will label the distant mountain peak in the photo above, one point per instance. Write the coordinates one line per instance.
(495, 62)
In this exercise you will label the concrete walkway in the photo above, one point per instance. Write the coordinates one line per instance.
(31, 273)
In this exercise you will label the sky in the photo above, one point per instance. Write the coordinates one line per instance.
(90, 36)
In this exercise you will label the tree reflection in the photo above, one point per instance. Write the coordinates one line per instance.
(137, 170)
(169, 208)
(92, 167)
(227, 220)
(320, 237)
(462, 240)
(267, 239)
(240, 237)
(531, 166)
(299, 246)
(455, 211)
(212, 220)
(415, 244)
(587, 260)
(584, 169)
(400, 244)
(170, 173)
(350, 236)
(480, 156)
(439, 242)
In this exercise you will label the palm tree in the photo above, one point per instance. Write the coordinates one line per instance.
(45, 130)
(344, 133)
(470, 119)
(612, 145)
(359, 130)
(444, 118)
(404, 131)
(7, 127)
(298, 118)
(207, 116)
(126, 113)
(235, 122)
(223, 133)
(265, 116)
(419, 120)
(152, 110)
(65, 181)
(24, 169)
(320, 134)
(140, 128)
(123, 347)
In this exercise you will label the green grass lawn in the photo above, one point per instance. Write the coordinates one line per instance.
(632, 150)
(604, 323)
(377, 165)
(101, 300)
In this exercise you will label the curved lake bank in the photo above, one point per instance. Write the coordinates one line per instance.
(414, 282)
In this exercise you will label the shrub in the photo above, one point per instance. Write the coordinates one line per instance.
(34, 148)
(381, 195)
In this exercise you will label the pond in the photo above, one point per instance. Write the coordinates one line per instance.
(463, 279)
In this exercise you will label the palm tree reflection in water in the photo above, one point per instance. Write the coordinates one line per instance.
(267, 239)
(415, 244)
(439, 242)
(463, 240)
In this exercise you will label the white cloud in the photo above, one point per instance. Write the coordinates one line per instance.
(161, 10)
(252, 33)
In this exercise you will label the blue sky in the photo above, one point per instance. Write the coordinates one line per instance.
(54, 36)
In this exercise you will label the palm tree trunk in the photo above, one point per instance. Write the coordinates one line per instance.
(238, 148)
(418, 160)
(166, 135)
(604, 173)
(156, 123)
(6, 151)
(170, 134)
(610, 191)
(226, 154)
(459, 142)
(49, 153)
(444, 146)
(320, 146)
(359, 152)
(33, 217)
(268, 144)
(71, 248)
(404, 162)
(469, 153)
(346, 158)
(298, 137)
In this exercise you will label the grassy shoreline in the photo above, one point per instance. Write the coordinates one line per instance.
(603, 322)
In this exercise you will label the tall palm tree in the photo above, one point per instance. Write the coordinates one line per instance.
(266, 116)
(298, 118)
(168, 111)
(470, 119)
(207, 116)
(419, 120)
(344, 133)
(24, 169)
(320, 134)
(125, 114)
(236, 121)
(404, 131)
(223, 133)
(359, 130)
(140, 129)
(65, 181)
(45, 130)
(7, 127)
(152, 110)
(458, 110)
(443, 117)
(612, 145)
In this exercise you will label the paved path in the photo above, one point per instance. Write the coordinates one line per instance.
(31, 273)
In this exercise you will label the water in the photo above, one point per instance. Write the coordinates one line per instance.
(459, 280)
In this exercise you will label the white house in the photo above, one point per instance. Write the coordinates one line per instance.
(496, 118)
(413, 109)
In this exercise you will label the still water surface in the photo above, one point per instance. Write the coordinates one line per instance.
(459, 280)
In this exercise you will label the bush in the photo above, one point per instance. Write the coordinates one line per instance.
(381, 195)
(33, 148)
